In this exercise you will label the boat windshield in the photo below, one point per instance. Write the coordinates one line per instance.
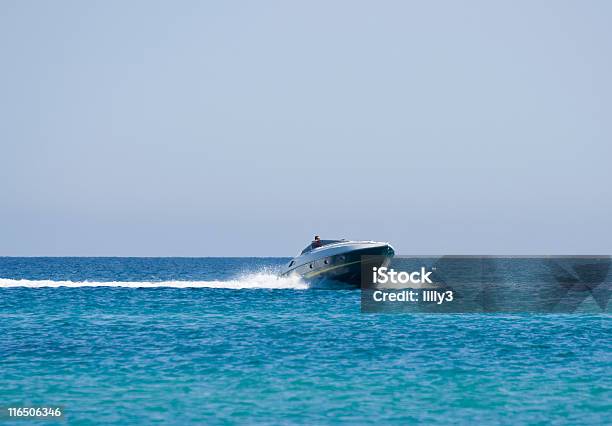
(323, 243)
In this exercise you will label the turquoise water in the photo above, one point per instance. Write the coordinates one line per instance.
(224, 350)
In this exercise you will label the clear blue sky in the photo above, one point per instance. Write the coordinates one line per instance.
(243, 128)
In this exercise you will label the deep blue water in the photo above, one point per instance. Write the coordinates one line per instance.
(220, 353)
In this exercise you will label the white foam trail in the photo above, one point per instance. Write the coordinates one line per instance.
(250, 281)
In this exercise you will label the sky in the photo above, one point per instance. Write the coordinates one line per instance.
(194, 128)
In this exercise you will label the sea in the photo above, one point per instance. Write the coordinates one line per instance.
(179, 341)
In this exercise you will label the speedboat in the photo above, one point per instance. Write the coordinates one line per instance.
(339, 260)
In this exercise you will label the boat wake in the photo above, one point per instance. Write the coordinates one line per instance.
(259, 280)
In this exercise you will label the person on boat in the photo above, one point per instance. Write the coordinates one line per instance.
(317, 242)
